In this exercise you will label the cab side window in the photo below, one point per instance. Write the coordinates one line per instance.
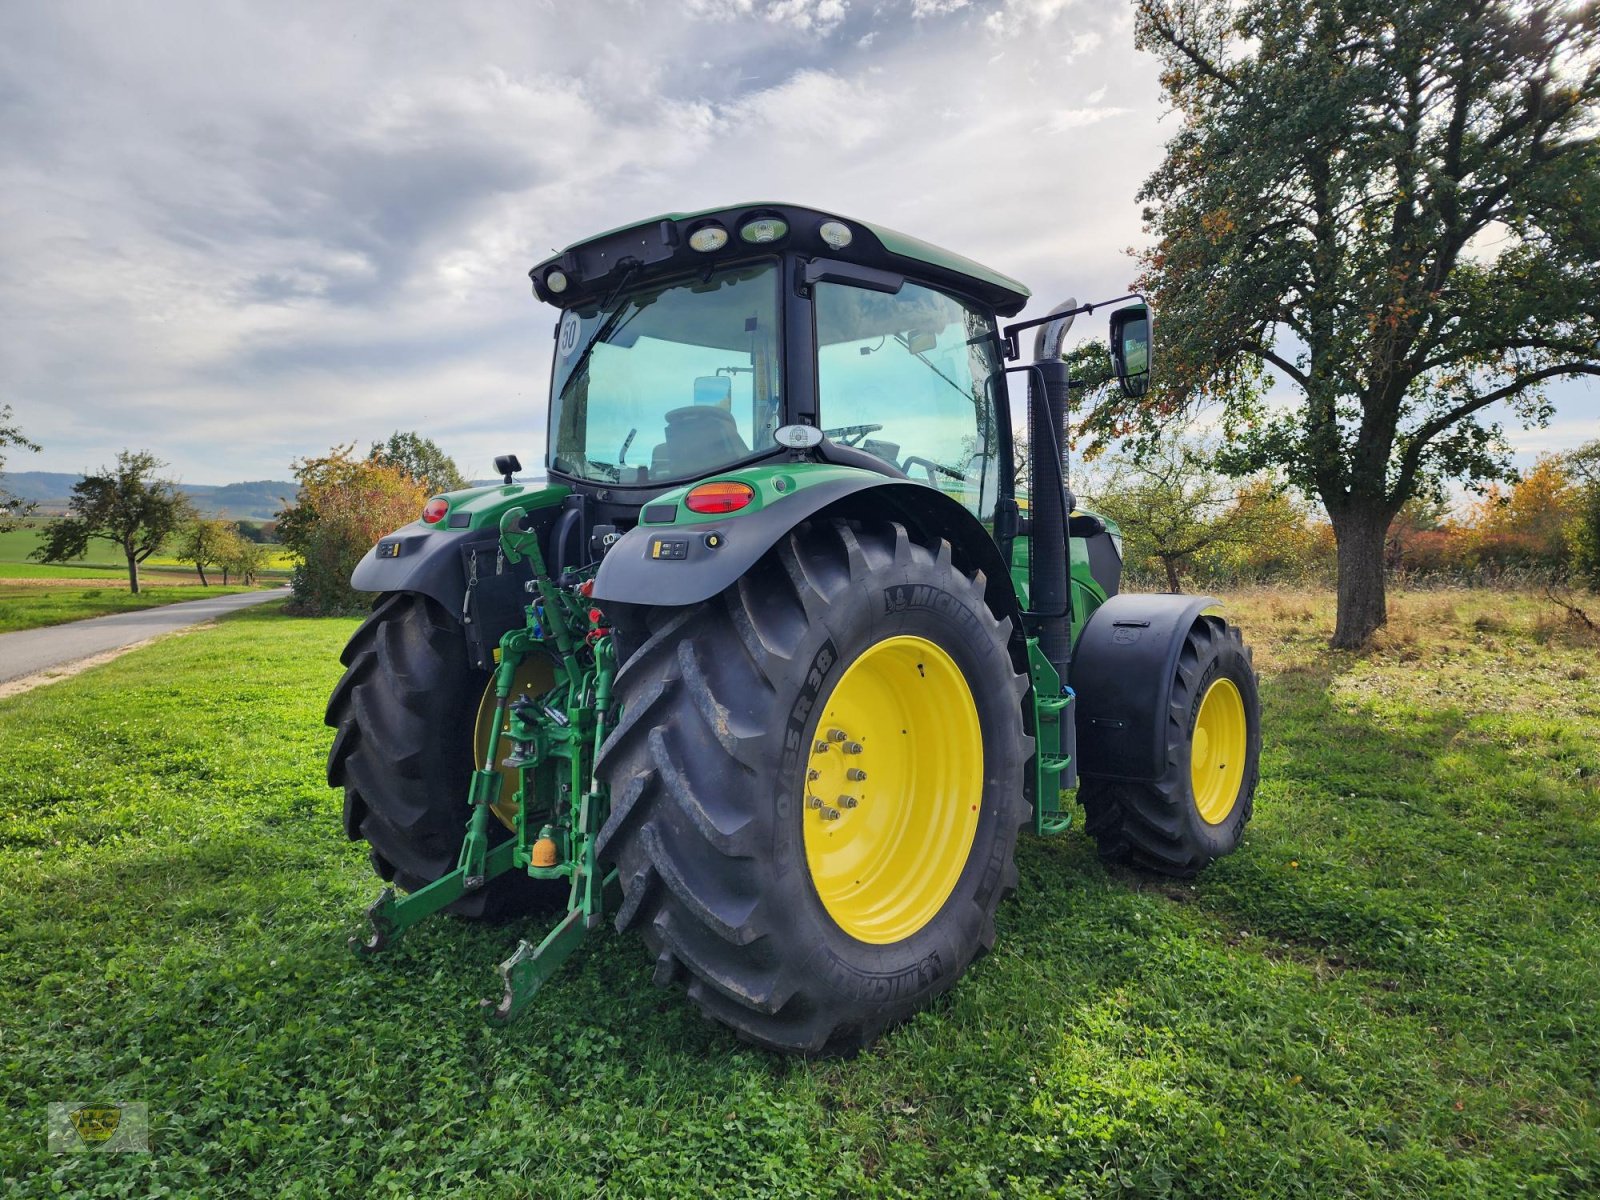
(911, 378)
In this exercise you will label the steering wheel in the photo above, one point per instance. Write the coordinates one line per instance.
(850, 435)
(933, 469)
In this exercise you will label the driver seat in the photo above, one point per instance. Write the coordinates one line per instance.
(699, 438)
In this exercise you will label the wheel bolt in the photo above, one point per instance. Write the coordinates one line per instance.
(855, 774)
(830, 814)
(819, 747)
(851, 747)
(813, 774)
(836, 735)
(813, 801)
(847, 802)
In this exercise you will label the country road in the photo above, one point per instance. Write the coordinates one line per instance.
(33, 650)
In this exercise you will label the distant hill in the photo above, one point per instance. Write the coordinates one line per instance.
(257, 500)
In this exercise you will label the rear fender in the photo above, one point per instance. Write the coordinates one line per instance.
(694, 558)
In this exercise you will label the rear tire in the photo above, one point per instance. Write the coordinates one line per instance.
(404, 712)
(708, 772)
(1170, 826)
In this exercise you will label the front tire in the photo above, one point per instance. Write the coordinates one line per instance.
(1196, 812)
(786, 926)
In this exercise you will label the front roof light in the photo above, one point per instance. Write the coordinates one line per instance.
(556, 281)
(763, 229)
(708, 238)
(836, 233)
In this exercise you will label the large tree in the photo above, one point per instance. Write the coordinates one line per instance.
(12, 508)
(1394, 206)
(420, 458)
(126, 504)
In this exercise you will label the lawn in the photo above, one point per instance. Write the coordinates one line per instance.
(1392, 990)
(101, 560)
(30, 606)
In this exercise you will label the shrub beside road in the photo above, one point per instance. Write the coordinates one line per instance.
(1392, 990)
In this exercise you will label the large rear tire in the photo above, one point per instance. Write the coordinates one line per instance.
(1196, 812)
(805, 916)
(404, 712)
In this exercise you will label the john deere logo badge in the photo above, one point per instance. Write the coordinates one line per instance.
(96, 1123)
(100, 1128)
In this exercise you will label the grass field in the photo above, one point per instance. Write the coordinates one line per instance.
(1392, 990)
(101, 560)
(30, 606)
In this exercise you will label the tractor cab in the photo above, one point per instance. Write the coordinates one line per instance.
(687, 341)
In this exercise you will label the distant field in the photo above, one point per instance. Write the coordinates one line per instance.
(101, 560)
(35, 605)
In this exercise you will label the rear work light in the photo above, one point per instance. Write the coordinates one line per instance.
(719, 497)
(433, 512)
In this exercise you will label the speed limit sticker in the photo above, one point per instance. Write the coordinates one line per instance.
(568, 342)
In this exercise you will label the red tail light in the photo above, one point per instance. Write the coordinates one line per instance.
(433, 512)
(722, 497)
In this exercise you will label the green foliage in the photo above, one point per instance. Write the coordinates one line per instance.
(1583, 529)
(205, 541)
(243, 558)
(1393, 205)
(1174, 508)
(1326, 1013)
(420, 458)
(345, 504)
(13, 509)
(126, 505)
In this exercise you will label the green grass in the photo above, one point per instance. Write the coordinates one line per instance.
(100, 559)
(28, 607)
(1390, 991)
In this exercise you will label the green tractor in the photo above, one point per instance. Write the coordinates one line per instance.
(781, 659)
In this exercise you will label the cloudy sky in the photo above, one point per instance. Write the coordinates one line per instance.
(236, 234)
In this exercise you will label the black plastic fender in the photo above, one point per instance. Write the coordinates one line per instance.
(1122, 672)
(717, 553)
(418, 559)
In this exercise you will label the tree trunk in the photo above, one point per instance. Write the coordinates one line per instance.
(224, 576)
(1174, 585)
(202, 573)
(133, 575)
(1363, 608)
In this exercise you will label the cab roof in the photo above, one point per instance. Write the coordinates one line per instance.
(660, 245)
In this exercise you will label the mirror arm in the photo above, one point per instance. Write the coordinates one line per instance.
(1008, 335)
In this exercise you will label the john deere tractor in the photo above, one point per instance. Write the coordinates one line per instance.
(779, 661)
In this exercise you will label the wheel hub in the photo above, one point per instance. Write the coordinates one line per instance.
(1217, 751)
(894, 781)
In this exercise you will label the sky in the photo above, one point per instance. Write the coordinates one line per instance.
(239, 234)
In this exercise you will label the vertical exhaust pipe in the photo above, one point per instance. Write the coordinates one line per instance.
(1050, 503)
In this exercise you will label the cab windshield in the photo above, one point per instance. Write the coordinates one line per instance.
(668, 382)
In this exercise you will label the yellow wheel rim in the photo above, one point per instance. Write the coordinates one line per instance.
(893, 783)
(1217, 751)
(534, 678)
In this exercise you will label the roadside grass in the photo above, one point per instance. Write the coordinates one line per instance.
(1390, 991)
(25, 606)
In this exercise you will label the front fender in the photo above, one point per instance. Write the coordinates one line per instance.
(1122, 671)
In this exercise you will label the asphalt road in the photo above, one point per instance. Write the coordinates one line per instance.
(34, 650)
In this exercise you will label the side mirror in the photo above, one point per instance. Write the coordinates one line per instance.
(714, 390)
(1130, 349)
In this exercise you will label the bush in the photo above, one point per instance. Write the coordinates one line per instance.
(343, 506)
